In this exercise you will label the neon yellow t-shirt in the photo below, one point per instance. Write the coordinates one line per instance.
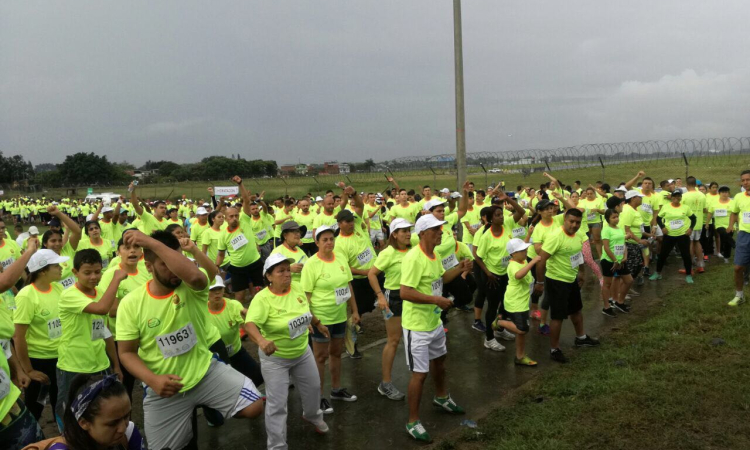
(631, 218)
(650, 204)
(389, 262)
(9, 252)
(283, 319)
(519, 291)
(616, 239)
(228, 321)
(148, 223)
(171, 329)
(39, 310)
(210, 238)
(297, 255)
(105, 249)
(356, 249)
(82, 348)
(129, 284)
(592, 216)
(196, 231)
(720, 211)
(696, 200)
(328, 281)
(324, 219)
(742, 209)
(240, 242)
(492, 249)
(566, 255)
(9, 393)
(307, 220)
(676, 218)
(424, 274)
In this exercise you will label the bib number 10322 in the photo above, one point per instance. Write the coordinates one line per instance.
(177, 342)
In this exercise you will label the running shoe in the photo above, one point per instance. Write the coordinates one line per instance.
(639, 280)
(390, 391)
(701, 269)
(682, 271)
(417, 431)
(726, 260)
(557, 356)
(494, 345)
(628, 297)
(325, 406)
(689, 279)
(544, 330)
(320, 426)
(525, 361)
(646, 272)
(505, 335)
(634, 293)
(588, 341)
(479, 326)
(447, 404)
(737, 301)
(356, 354)
(609, 312)
(655, 276)
(705, 257)
(622, 308)
(359, 329)
(343, 394)
(536, 314)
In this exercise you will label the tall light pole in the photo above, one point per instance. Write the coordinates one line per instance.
(459, 68)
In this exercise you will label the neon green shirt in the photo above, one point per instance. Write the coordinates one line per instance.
(39, 310)
(566, 255)
(742, 209)
(9, 393)
(492, 250)
(105, 249)
(283, 319)
(720, 211)
(616, 238)
(82, 348)
(148, 223)
(129, 284)
(197, 230)
(171, 330)
(696, 200)
(519, 291)
(308, 220)
(356, 249)
(424, 274)
(631, 218)
(228, 321)
(389, 262)
(328, 282)
(9, 252)
(650, 204)
(240, 242)
(676, 218)
(592, 216)
(297, 255)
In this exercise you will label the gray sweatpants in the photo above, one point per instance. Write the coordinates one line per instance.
(276, 372)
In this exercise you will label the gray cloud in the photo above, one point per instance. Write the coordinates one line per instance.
(350, 80)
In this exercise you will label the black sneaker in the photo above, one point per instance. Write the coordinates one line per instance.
(622, 308)
(325, 406)
(609, 312)
(356, 354)
(611, 303)
(557, 356)
(343, 394)
(588, 341)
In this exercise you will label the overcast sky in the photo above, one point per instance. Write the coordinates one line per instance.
(350, 80)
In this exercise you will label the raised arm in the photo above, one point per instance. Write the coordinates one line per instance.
(13, 272)
(134, 199)
(463, 203)
(74, 231)
(182, 267)
(632, 182)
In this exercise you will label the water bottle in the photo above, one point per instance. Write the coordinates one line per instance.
(387, 313)
(43, 396)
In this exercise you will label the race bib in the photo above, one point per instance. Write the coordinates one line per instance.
(576, 260)
(476, 226)
(647, 208)
(643, 228)
(519, 232)
(308, 234)
(591, 216)
(375, 218)
(450, 262)
(676, 224)
(5, 344)
(54, 328)
(4, 384)
(105, 263)
(619, 250)
(68, 282)
(342, 294)
(230, 349)
(364, 257)
(238, 242)
(335, 226)
(505, 261)
(260, 235)
(177, 342)
(298, 325)
(7, 262)
(720, 213)
(98, 330)
(746, 217)
(437, 287)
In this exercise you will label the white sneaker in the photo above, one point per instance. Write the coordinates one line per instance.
(634, 293)
(505, 335)
(321, 427)
(494, 346)
(628, 297)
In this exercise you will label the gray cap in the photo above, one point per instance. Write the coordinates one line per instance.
(292, 225)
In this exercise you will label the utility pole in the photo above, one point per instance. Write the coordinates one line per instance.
(460, 122)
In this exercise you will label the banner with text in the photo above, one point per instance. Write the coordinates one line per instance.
(220, 191)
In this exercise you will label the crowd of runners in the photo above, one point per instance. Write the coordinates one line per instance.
(164, 293)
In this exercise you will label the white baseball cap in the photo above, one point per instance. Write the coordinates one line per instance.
(275, 259)
(432, 203)
(201, 211)
(107, 209)
(319, 199)
(670, 181)
(218, 283)
(33, 231)
(43, 258)
(445, 190)
(399, 223)
(324, 228)
(516, 245)
(456, 195)
(426, 222)
(621, 189)
(631, 194)
(206, 204)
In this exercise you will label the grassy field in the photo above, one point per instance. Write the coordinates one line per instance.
(719, 169)
(673, 378)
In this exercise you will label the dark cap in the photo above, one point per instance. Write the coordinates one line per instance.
(544, 204)
(292, 225)
(344, 216)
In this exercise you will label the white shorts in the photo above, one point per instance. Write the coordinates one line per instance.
(659, 233)
(421, 347)
(377, 234)
(696, 235)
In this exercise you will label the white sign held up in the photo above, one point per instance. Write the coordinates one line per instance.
(220, 191)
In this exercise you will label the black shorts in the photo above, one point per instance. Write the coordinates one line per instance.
(608, 272)
(242, 277)
(395, 304)
(364, 295)
(335, 330)
(519, 319)
(564, 298)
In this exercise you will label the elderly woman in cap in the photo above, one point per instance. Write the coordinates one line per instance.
(326, 280)
(278, 320)
(291, 234)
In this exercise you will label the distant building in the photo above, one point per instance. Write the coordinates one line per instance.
(287, 170)
(301, 169)
(344, 169)
(331, 167)
(141, 173)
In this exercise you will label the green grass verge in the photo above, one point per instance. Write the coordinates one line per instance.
(656, 383)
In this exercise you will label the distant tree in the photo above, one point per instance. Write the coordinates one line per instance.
(46, 167)
(15, 168)
(368, 165)
(89, 168)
